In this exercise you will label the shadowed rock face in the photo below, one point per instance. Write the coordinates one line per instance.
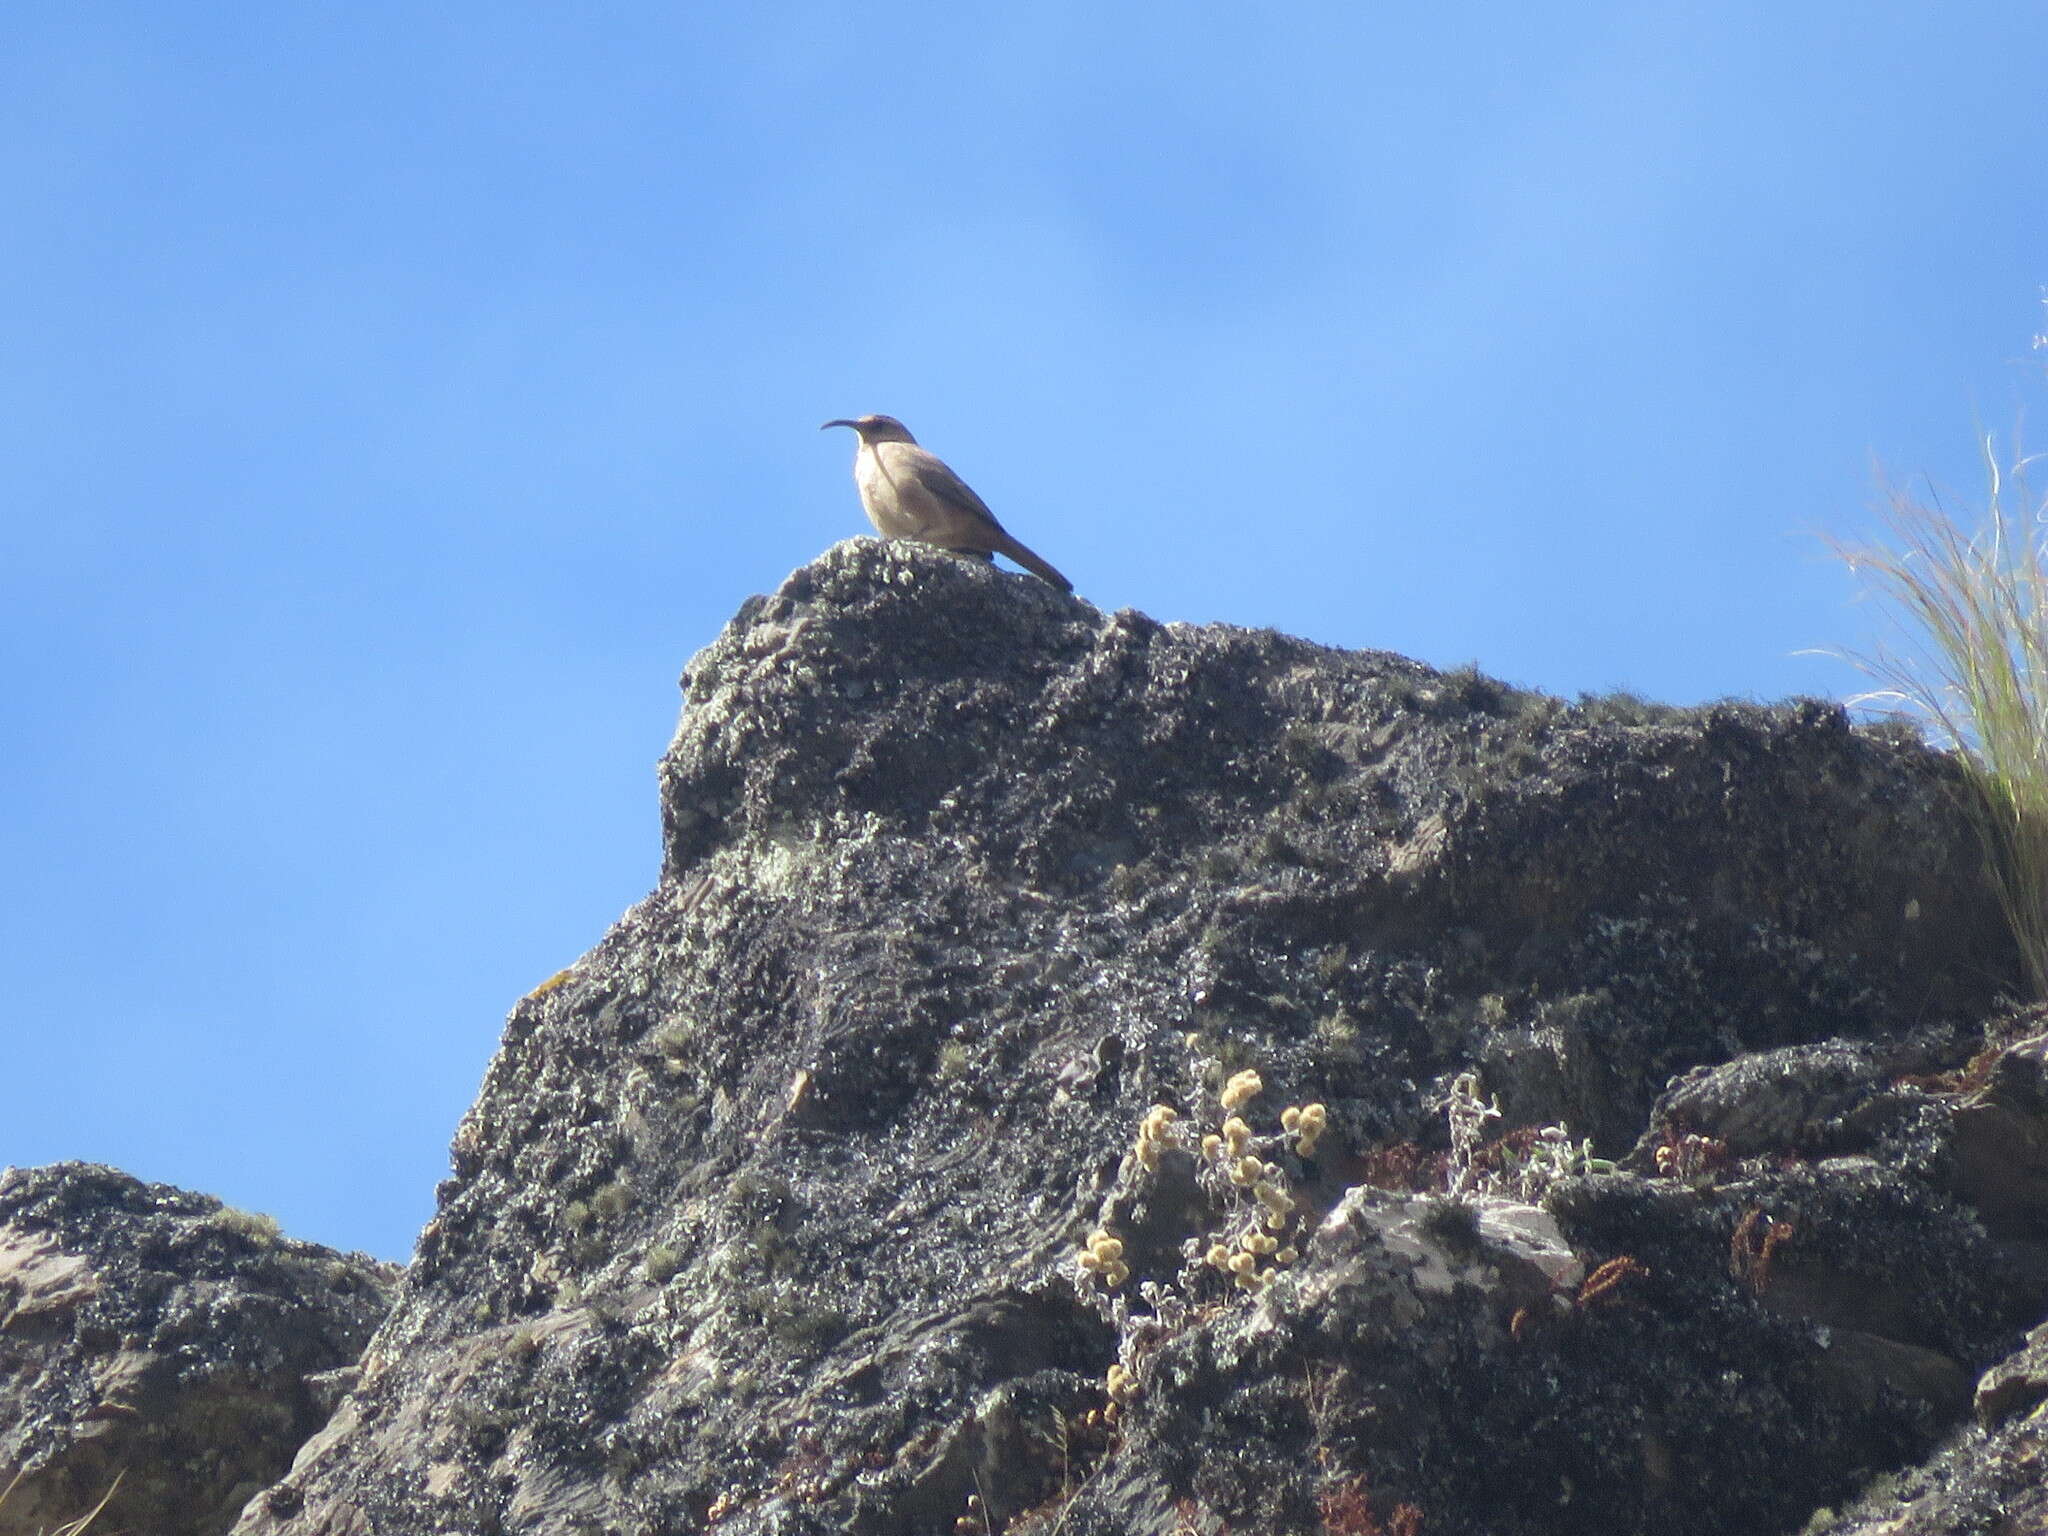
(160, 1338)
(766, 1217)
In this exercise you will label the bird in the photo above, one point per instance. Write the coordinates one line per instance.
(909, 493)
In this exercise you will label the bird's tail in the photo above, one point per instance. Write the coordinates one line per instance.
(1032, 563)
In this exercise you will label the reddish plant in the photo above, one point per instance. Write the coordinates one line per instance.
(1757, 1239)
(1347, 1511)
(1601, 1285)
(1402, 1166)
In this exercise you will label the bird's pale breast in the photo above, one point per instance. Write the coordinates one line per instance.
(896, 503)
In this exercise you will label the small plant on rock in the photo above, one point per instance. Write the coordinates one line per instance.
(1254, 1227)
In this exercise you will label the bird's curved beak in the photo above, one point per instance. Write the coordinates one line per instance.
(841, 423)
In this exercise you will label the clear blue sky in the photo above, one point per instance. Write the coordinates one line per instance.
(392, 398)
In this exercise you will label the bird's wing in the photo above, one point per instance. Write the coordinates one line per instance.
(933, 474)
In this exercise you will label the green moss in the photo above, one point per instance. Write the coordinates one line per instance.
(808, 1330)
(1313, 800)
(612, 1201)
(1624, 708)
(1304, 749)
(1338, 1042)
(675, 1042)
(660, 1263)
(757, 1188)
(1337, 1028)
(1480, 693)
(764, 1247)
(1455, 1224)
(253, 1225)
(1274, 847)
(1233, 1056)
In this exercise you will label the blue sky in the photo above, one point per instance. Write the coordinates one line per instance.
(392, 398)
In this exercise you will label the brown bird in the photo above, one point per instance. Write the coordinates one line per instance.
(911, 494)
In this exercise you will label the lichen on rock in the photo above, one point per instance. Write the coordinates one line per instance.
(767, 1215)
(160, 1346)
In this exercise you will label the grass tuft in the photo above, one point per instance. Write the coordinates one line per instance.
(1970, 604)
(69, 1527)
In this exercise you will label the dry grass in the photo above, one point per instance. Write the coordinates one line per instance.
(1970, 603)
(69, 1527)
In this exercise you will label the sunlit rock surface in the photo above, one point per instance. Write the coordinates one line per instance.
(161, 1347)
(767, 1216)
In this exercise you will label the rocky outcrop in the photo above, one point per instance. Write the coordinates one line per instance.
(161, 1346)
(1986, 1479)
(995, 931)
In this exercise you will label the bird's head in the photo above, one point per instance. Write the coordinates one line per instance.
(876, 429)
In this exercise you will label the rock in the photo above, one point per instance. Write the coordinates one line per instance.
(1811, 1100)
(769, 1216)
(163, 1339)
(2017, 1385)
(1986, 1477)
(2000, 1131)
